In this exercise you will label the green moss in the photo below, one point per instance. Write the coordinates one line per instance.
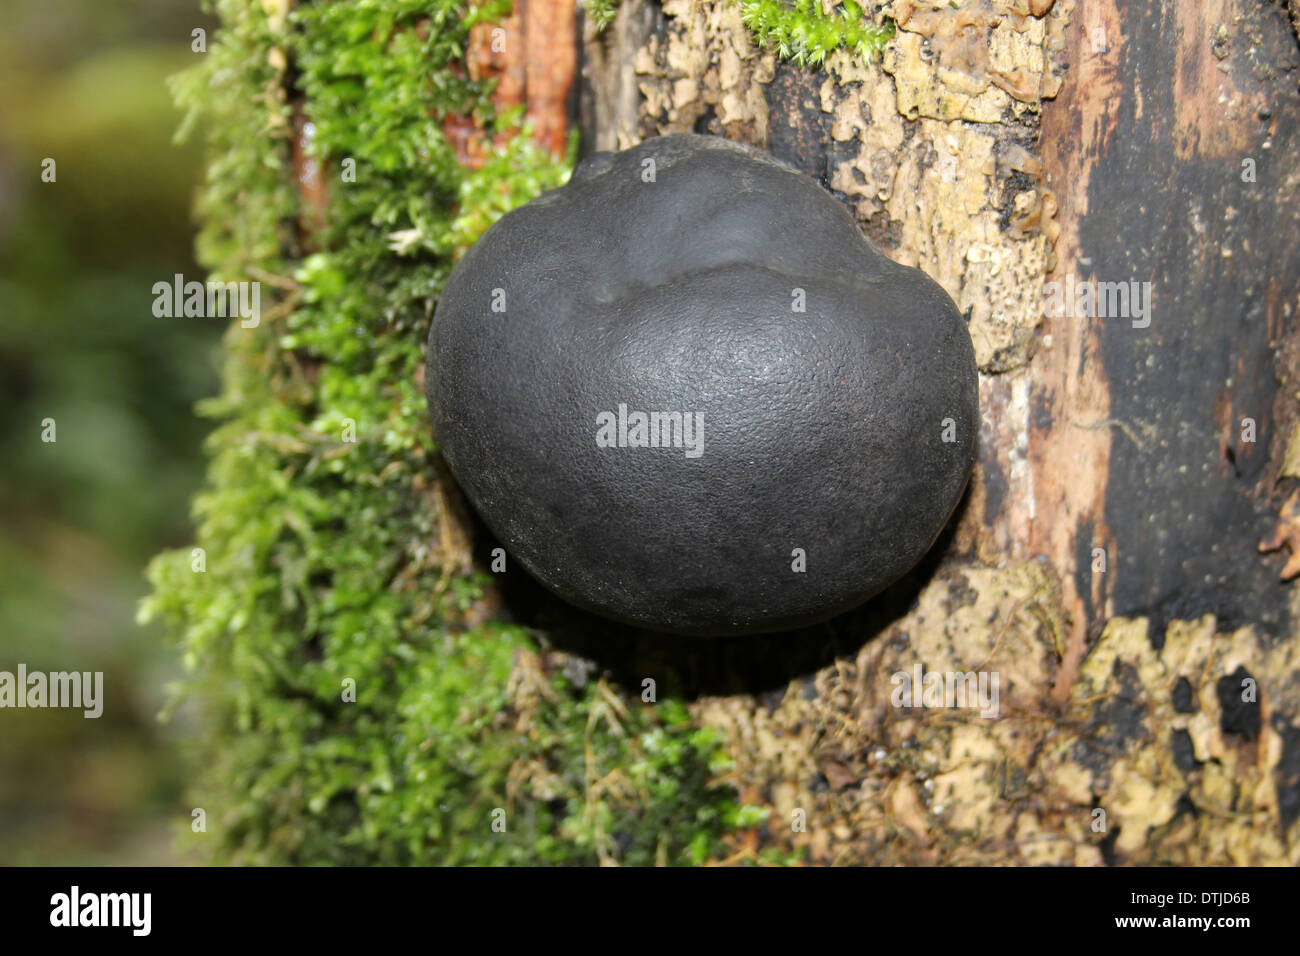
(601, 12)
(800, 32)
(316, 521)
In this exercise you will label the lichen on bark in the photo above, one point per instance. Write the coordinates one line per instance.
(938, 138)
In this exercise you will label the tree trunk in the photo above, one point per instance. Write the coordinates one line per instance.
(1107, 193)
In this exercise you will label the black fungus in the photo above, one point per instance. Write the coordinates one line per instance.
(686, 393)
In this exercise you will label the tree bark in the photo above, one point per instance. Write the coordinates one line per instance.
(1106, 562)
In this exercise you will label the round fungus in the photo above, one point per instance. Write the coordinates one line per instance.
(686, 394)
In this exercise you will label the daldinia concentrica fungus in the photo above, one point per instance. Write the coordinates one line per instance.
(686, 394)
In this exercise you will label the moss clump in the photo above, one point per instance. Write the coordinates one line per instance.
(601, 12)
(352, 715)
(800, 32)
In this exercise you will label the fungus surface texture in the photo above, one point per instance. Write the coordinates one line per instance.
(686, 394)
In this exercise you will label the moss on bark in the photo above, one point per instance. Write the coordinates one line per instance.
(359, 704)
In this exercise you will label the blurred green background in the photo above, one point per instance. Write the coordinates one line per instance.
(84, 82)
